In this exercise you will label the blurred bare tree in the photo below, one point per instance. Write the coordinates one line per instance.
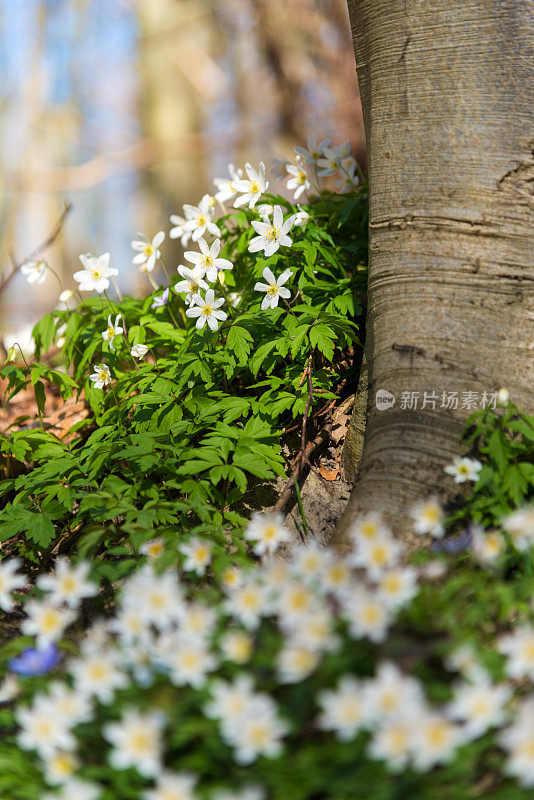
(129, 108)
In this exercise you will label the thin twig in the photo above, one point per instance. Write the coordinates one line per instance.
(15, 266)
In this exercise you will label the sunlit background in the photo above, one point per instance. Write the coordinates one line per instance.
(129, 108)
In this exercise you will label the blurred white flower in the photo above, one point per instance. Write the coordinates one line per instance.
(35, 270)
(173, 786)
(299, 182)
(267, 531)
(180, 231)
(136, 741)
(10, 580)
(343, 709)
(45, 620)
(226, 186)
(69, 583)
(520, 526)
(428, 517)
(198, 555)
(314, 151)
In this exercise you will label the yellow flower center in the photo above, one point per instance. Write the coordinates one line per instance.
(68, 584)
(207, 310)
(97, 672)
(201, 553)
(370, 615)
(272, 233)
(111, 333)
(432, 514)
(49, 621)
(96, 274)
(272, 290)
(201, 220)
(141, 742)
(149, 250)
(301, 178)
(155, 549)
(253, 187)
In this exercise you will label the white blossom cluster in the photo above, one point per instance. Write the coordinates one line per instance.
(316, 598)
(197, 225)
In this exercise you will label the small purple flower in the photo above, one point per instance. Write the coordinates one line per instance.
(35, 661)
(453, 544)
(161, 300)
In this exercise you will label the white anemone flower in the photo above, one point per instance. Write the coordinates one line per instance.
(226, 186)
(253, 188)
(299, 182)
(271, 236)
(136, 742)
(69, 583)
(148, 251)
(348, 181)
(179, 231)
(300, 219)
(113, 329)
(198, 555)
(207, 309)
(428, 517)
(95, 274)
(42, 730)
(10, 579)
(173, 786)
(139, 350)
(101, 376)
(208, 259)
(464, 469)
(267, 531)
(81, 790)
(45, 621)
(518, 740)
(520, 525)
(193, 281)
(274, 289)
(199, 219)
(35, 270)
(330, 163)
(314, 151)
(343, 709)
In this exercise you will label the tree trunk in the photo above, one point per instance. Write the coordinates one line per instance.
(447, 93)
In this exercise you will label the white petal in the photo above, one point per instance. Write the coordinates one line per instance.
(158, 238)
(268, 275)
(287, 273)
(278, 216)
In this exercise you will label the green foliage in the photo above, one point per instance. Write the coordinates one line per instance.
(179, 440)
(503, 439)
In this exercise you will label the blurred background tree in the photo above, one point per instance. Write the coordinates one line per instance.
(129, 108)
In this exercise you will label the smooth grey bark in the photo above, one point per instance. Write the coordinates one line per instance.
(448, 97)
